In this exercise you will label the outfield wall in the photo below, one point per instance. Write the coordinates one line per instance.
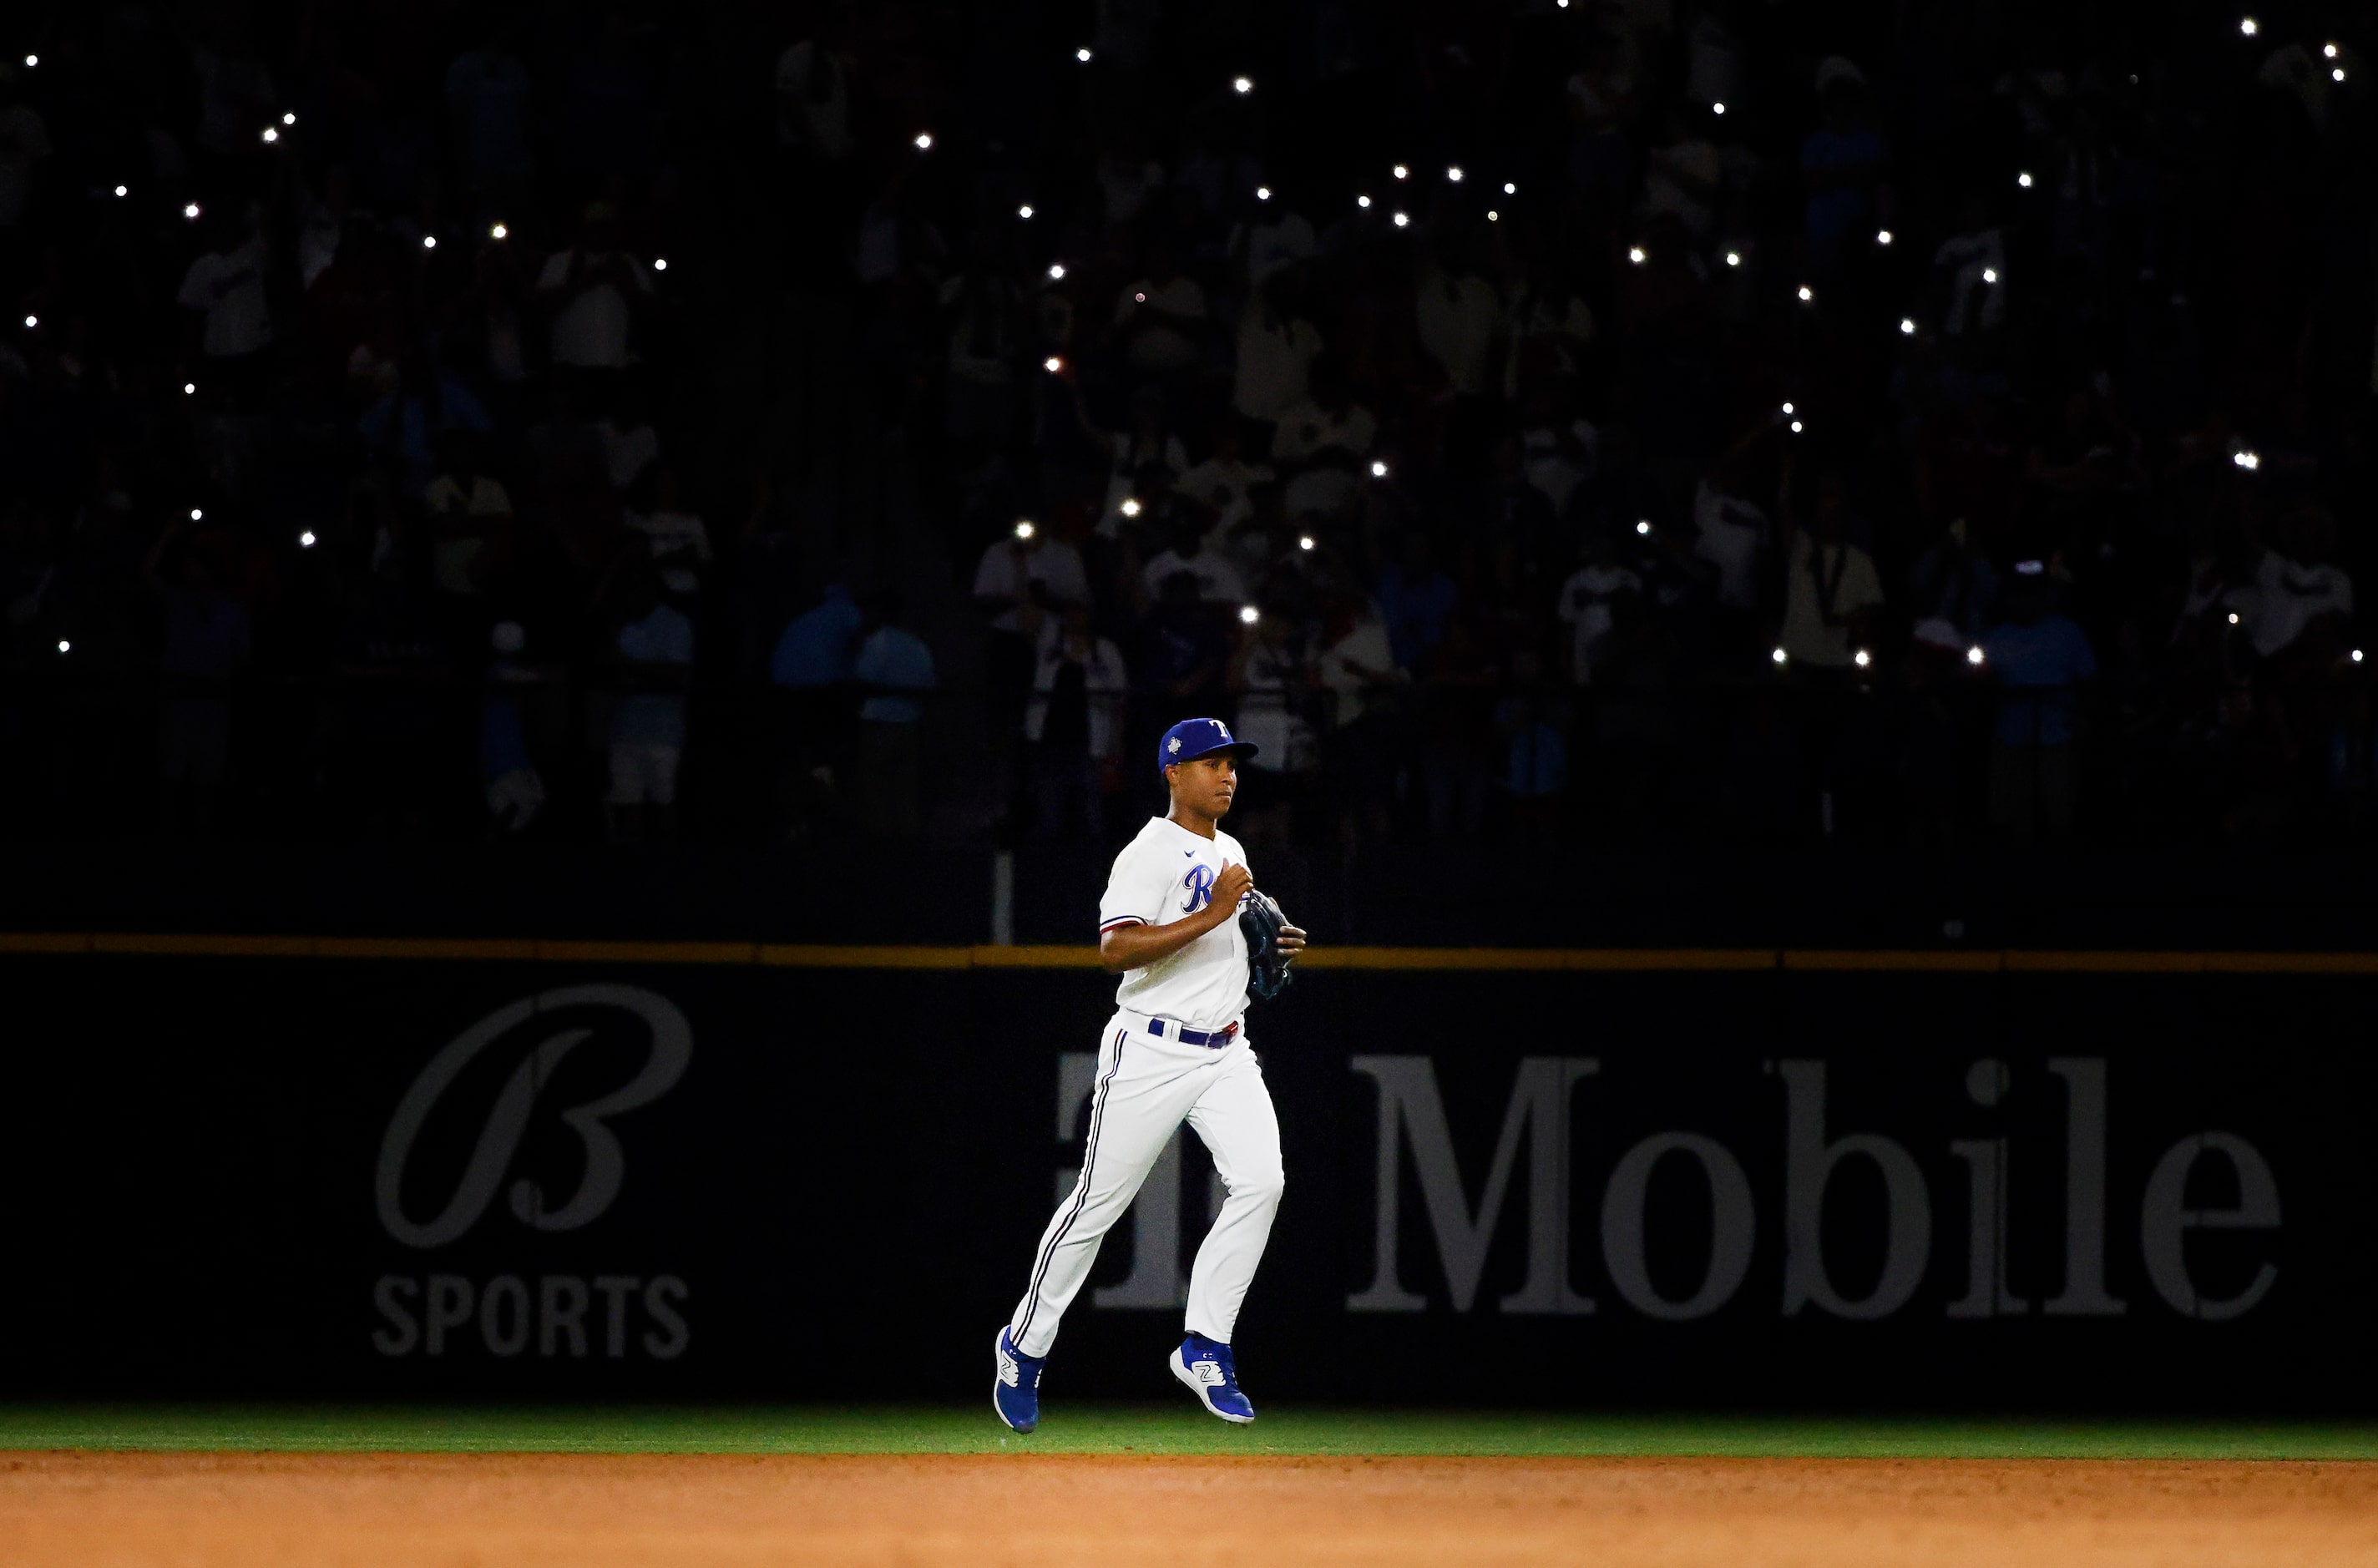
(511, 1170)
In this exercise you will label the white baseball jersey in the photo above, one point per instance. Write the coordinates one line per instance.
(1166, 874)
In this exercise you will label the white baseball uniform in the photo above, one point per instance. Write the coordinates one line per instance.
(1152, 1075)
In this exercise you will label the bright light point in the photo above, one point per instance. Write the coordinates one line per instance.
(1882, 236)
(1510, 189)
(270, 135)
(1717, 108)
(1056, 271)
(2246, 25)
(2356, 655)
(65, 646)
(2337, 75)
(2023, 179)
(306, 540)
(2328, 51)
(1907, 326)
(1024, 529)
(1787, 408)
(1242, 85)
(190, 389)
(496, 232)
(1493, 216)
(1861, 658)
(1796, 428)
(1990, 274)
(197, 514)
(429, 242)
(1635, 255)
(1643, 525)
(191, 211)
(1778, 655)
(1401, 220)
(1733, 259)
(1248, 615)
(924, 141)
(2249, 461)
(1454, 173)
(660, 263)
(1262, 193)
(1053, 364)
(1401, 173)
(2233, 617)
(31, 61)
(1974, 654)
(288, 119)
(1130, 507)
(1807, 294)
(1304, 542)
(1378, 470)
(1083, 56)
(32, 321)
(121, 191)
(1139, 299)
(1363, 202)
(1025, 211)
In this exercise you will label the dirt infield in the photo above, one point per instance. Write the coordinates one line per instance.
(658, 1512)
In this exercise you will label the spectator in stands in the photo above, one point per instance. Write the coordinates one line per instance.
(1416, 600)
(811, 668)
(1591, 600)
(1144, 462)
(466, 507)
(893, 668)
(1161, 320)
(674, 532)
(224, 293)
(1218, 583)
(1074, 723)
(24, 144)
(592, 294)
(1953, 581)
(514, 789)
(2298, 594)
(2039, 658)
(1274, 681)
(1841, 165)
(1831, 589)
(655, 664)
(1276, 347)
(1322, 444)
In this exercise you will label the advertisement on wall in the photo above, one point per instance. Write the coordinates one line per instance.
(290, 1178)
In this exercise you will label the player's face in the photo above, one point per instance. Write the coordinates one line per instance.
(1206, 785)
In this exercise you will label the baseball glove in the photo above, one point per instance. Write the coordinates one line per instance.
(1260, 920)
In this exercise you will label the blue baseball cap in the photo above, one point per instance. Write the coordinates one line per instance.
(1193, 738)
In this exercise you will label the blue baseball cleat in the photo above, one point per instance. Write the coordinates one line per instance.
(1016, 1391)
(1205, 1366)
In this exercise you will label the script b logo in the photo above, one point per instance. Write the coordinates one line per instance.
(508, 1119)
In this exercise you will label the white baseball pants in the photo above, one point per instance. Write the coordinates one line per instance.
(1146, 1086)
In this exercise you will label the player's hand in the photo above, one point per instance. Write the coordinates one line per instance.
(1229, 888)
(1291, 940)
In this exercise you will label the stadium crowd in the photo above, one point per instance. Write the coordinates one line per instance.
(1741, 422)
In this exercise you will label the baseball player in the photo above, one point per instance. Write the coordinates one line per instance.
(1176, 1049)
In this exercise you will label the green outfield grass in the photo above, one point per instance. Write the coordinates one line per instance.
(1116, 1429)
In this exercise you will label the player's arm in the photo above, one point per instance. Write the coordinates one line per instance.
(1137, 945)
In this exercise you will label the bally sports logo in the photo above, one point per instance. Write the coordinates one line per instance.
(439, 1313)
